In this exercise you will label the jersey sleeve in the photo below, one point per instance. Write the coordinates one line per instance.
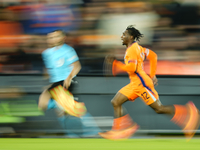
(152, 57)
(71, 56)
(130, 63)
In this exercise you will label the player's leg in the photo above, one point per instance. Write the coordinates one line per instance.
(150, 97)
(117, 102)
(93, 129)
(121, 119)
(72, 126)
(123, 126)
(162, 109)
(186, 116)
(75, 126)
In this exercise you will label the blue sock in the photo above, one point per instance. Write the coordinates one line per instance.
(63, 120)
(51, 104)
(71, 125)
(90, 127)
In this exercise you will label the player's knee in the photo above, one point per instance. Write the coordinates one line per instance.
(114, 103)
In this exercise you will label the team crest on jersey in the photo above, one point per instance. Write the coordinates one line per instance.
(60, 62)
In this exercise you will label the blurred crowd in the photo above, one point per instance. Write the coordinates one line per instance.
(171, 28)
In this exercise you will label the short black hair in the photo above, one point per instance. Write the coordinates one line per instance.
(134, 32)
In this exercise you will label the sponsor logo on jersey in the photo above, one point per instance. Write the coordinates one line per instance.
(60, 62)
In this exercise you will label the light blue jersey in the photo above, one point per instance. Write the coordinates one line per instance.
(58, 61)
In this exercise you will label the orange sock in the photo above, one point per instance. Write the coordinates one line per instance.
(122, 122)
(116, 124)
(180, 115)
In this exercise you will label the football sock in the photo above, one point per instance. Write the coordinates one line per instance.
(71, 126)
(89, 125)
(51, 104)
(122, 122)
(180, 115)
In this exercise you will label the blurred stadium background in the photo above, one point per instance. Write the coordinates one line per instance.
(171, 28)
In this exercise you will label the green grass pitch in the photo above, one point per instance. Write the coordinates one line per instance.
(97, 144)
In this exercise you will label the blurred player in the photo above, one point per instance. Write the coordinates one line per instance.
(63, 65)
(142, 85)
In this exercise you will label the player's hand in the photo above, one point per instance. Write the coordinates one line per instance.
(109, 59)
(107, 67)
(155, 81)
(67, 83)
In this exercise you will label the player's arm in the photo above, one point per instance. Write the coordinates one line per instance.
(119, 67)
(73, 59)
(152, 57)
(130, 66)
(76, 68)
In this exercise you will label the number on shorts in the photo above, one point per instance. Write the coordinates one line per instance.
(145, 95)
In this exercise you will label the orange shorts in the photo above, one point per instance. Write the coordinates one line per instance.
(147, 93)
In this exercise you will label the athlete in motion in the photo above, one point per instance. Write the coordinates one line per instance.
(142, 85)
(62, 64)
